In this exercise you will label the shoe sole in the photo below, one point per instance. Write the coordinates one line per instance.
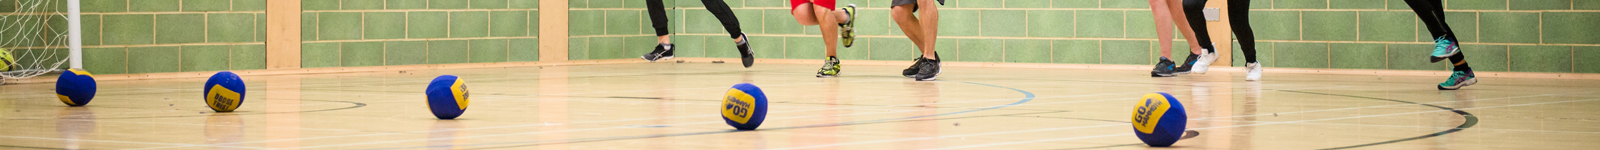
(657, 59)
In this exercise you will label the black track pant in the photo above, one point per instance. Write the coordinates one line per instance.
(658, 16)
(1432, 14)
(1238, 12)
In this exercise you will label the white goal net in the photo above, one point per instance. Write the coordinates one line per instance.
(35, 33)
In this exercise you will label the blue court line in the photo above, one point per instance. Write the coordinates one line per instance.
(1029, 96)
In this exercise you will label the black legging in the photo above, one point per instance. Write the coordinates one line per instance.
(1432, 14)
(658, 16)
(1238, 12)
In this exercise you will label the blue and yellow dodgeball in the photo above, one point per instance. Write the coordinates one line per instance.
(447, 97)
(75, 87)
(744, 107)
(1159, 119)
(224, 91)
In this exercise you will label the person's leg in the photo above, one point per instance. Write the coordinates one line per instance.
(724, 14)
(1163, 17)
(1239, 14)
(930, 27)
(804, 14)
(818, 12)
(731, 23)
(904, 14)
(905, 17)
(928, 69)
(847, 24)
(830, 32)
(1195, 36)
(842, 16)
(1202, 50)
(1431, 12)
(658, 20)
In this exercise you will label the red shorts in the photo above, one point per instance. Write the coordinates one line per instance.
(824, 3)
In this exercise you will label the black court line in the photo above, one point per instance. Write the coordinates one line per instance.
(1471, 120)
(357, 105)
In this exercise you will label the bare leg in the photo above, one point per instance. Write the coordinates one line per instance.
(1183, 26)
(930, 27)
(842, 16)
(1163, 15)
(804, 14)
(664, 39)
(908, 23)
(830, 29)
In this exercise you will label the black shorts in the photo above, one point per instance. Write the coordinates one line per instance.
(905, 2)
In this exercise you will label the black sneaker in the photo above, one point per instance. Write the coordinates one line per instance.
(748, 56)
(927, 70)
(662, 52)
(916, 65)
(1188, 64)
(830, 68)
(1163, 68)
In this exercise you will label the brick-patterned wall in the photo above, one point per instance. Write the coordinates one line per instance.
(147, 36)
(1498, 35)
(348, 33)
(612, 29)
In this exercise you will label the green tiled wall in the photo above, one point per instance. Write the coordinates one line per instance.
(151, 36)
(613, 29)
(1498, 35)
(351, 33)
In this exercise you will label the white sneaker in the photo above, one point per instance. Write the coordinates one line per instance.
(1254, 71)
(1206, 58)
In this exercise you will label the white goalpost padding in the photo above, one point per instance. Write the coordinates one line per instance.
(74, 35)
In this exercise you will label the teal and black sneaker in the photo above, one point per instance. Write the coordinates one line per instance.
(1458, 80)
(830, 68)
(1443, 48)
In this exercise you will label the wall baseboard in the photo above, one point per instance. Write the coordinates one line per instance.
(298, 71)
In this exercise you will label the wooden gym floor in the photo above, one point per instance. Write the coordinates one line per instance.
(674, 106)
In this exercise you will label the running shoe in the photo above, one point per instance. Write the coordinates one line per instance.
(1207, 57)
(1188, 64)
(830, 68)
(911, 72)
(1459, 79)
(1443, 48)
(928, 70)
(662, 52)
(849, 26)
(745, 54)
(1164, 68)
(1253, 71)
